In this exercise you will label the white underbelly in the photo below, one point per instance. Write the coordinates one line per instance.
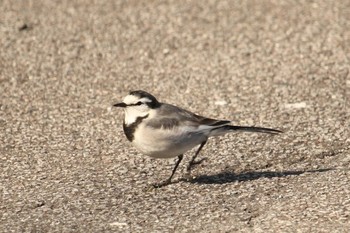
(165, 143)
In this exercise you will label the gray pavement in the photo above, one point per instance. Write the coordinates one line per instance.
(65, 165)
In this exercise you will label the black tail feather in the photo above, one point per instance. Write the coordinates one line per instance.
(252, 129)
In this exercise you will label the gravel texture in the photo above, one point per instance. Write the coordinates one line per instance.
(65, 165)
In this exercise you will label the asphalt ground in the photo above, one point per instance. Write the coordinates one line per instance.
(66, 166)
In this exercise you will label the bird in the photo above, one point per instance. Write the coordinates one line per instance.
(162, 130)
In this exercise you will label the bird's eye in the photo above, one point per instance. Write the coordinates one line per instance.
(136, 104)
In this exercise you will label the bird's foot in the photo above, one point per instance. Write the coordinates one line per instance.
(193, 164)
(162, 184)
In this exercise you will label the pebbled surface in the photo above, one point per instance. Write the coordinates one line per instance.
(65, 165)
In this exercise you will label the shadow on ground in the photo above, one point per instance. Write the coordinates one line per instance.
(229, 177)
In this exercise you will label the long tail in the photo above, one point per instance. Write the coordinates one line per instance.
(252, 129)
(226, 128)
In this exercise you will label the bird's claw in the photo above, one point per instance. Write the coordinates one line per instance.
(162, 184)
(194, 163)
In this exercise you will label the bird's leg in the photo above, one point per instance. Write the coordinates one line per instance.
(168, 181)
(176, 165)
(192, 162)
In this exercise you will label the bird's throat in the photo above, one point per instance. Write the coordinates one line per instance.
(129, 129)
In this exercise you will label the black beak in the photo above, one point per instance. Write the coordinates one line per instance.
(120, 105)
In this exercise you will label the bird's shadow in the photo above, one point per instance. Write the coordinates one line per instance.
(229, 177)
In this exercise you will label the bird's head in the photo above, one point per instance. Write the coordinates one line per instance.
(137, 104)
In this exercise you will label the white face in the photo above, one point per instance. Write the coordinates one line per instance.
(137, 107)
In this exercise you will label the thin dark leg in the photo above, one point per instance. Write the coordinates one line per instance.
(168, 181)
(192, 162)
(176, 165)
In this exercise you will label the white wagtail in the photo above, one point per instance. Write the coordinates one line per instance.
(163, 130)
